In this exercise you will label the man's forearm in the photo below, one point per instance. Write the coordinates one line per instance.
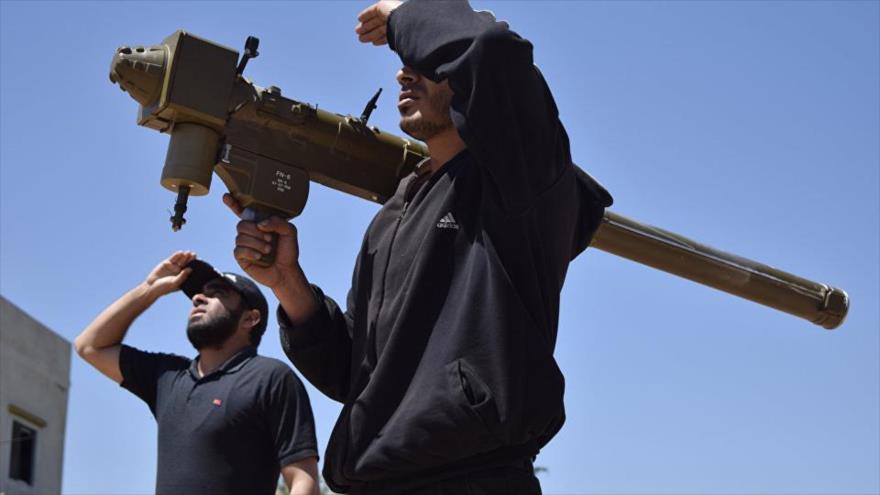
(304, 485)
(296, 296)
(109, 328)
(301, 477)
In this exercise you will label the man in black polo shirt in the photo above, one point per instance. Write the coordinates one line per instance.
(229, 420)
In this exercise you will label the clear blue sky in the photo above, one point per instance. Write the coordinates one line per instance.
(750, 126)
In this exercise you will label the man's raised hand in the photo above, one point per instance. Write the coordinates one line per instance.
(169, 275)
(372, 20)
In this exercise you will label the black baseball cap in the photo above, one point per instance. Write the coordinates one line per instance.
(202, 273)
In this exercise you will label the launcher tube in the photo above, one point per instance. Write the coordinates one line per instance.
(819, 303)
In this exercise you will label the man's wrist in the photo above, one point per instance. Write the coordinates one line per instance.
(296, 296)
(145, 293)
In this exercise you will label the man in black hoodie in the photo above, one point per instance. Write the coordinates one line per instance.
(443, 358)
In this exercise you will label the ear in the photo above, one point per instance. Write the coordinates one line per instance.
(251, 318)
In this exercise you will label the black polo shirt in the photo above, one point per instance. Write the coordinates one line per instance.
(228, 432)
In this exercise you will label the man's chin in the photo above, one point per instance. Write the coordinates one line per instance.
(203, 335)
(414, 127)
(203, 346)
(422, 130)
(408, 122)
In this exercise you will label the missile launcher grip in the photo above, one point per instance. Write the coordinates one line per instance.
(266, 148)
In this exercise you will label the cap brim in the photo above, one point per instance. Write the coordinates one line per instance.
(201, 274)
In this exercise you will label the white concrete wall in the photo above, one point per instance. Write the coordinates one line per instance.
(35, 377)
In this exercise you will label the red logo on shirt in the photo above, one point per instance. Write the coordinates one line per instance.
(217, 402)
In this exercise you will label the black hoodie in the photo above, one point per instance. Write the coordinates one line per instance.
(444, 356)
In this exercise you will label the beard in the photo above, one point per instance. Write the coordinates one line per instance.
(211, 334)
(430, 122)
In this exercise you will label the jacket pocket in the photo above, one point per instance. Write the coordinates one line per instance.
(473, 393)
(445, 416)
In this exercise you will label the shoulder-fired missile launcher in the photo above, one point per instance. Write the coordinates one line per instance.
(267, 147)
(264, 146)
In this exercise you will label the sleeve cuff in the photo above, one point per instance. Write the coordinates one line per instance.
(309, 332)
(426, 33)
(298, 456)
(389, 28)
(125, 365)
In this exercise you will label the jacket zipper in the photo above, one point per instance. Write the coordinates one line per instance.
(370, 347)
(385, 272)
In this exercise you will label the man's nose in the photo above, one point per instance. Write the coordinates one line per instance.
(199, 299)
(407, 76)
